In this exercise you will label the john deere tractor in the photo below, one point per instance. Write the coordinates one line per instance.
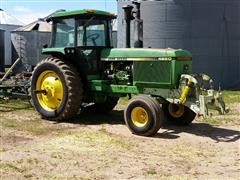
(83, 70)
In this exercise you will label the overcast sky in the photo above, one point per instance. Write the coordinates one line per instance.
(28, 11)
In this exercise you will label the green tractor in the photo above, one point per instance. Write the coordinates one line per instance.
(84, 69)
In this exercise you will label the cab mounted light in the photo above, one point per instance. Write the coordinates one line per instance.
(112, 14)
(90, 11)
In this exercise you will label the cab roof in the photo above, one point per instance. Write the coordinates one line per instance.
(84, 12)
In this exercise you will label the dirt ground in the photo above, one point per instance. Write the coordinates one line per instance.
(101, 147)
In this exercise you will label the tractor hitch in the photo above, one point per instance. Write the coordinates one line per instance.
(198, 93)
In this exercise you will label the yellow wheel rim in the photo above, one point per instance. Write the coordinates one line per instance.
(139, 116)
(176, 110)
(49, 82)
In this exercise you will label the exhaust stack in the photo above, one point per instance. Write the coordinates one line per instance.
(128, 17)
(138, 26)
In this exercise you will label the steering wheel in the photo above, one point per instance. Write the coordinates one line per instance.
(93, 36)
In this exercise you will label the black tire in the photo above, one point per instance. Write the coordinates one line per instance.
(151, 108)
(182, 119)
(104, 107)
(71, 89)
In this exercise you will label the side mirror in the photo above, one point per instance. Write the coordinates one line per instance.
(48, 19)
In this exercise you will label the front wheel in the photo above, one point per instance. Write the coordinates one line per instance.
(178, 114)
(143, 116)
(56, 89)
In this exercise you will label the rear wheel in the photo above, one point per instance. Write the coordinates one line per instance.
(56, 89)
(143, 116)
(178, 114)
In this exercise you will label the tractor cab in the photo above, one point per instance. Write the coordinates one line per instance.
(84, 29)
(79, 37)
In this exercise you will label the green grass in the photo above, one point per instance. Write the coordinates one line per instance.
(221, 120)
(151, 172)
(34, 127)
(7, 105)
(28, 121)
(12, 167)
(102, 138)
(231, 97)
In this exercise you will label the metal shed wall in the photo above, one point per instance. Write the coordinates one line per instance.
(7, 42)
(28, 45)
(1, 50)
(209, 29)
(114, 39)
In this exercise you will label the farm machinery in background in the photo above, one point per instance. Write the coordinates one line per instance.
(84, 69)
(14, 85)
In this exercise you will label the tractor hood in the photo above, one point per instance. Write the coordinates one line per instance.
(139, 54)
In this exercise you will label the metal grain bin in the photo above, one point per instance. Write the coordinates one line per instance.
(210, 29)
(7, 42)
(114, 39)
(28, 42)
(8, 23)
(1, 50)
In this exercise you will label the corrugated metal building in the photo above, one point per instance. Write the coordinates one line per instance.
(8, 23)
(1, 50)
(210, 29)
(28, 42)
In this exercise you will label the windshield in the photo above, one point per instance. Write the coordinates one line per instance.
(63, 33)
(91, 32)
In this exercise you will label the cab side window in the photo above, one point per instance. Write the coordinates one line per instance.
(64, 33)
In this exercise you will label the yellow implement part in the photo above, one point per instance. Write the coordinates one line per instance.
(185, 92)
